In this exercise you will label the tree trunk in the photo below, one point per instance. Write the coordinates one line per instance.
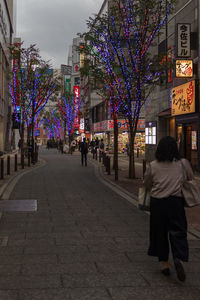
(115, 160)
(32, 140)
(65, 129)
(22, 141)
(131, 152)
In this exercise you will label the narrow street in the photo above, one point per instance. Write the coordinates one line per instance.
(83, 242)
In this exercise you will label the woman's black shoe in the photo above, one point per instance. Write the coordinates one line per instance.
(179, 270)
(166, 271)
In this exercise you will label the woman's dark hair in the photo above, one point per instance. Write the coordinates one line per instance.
(167, 149)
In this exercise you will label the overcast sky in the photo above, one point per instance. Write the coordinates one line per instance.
(52, 24)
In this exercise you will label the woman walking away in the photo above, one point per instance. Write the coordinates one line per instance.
(164, 178)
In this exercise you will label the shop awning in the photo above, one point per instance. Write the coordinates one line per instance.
(165, 113)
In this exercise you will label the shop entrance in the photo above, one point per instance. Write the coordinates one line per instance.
(184, 140)
(188, 138)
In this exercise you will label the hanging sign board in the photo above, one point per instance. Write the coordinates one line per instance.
(183, 40)
(183, 99)
(184, 68)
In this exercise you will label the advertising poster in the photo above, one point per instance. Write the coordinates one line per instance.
(194, 140)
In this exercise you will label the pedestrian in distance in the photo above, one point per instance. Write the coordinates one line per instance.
(84, 152)
(61, 146)
(101, 146)
(72, 146)
(164, 178)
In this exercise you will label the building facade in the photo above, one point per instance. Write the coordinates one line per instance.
(6, 34)
(173, 108)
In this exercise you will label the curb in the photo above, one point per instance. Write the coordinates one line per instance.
(7, 188)
(132, 198)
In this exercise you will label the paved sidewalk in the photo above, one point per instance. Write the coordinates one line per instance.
(132, 186)
(85, 242)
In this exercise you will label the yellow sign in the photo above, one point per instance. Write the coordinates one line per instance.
(183, 99)
(184, 68)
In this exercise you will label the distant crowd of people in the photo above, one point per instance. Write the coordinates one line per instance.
(83, 146)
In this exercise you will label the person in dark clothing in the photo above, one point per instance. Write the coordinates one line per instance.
(84, 151)
(61, 146)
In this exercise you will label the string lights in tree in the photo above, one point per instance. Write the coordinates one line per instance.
(70, 108)
(121, 43)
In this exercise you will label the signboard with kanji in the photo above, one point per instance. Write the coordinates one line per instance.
(184, 68)
(183, 99)
(183, 40)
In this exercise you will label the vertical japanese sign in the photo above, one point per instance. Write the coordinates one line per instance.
(67, 85)
(76, 106)
(82, 126)
(183, 40)
(183, 99)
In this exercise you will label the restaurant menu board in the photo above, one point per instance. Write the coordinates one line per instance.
(150, 133)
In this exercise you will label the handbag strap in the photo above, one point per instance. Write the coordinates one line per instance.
(184, 170)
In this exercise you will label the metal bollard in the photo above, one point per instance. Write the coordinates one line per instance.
(138, 152)
(2, 168)
(15, 162)
(144, 166)
(22, 161)
(8, 165)
(36, 156)
(108, 163)
(96, 155)
(100, 154)
(29, 159)
(104, 159)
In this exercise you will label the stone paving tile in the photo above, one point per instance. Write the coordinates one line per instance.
(67, 268)
(119, 267)
(31, 259)
(11, 250)
(65, 294)
(59, 235)
(27, 242)
(118, 247)
(113, 234)
(167, 293)
(9, 269)
(75, 257)
(192, 266)
(103, 280)
(9, 295)
(28, 282)
(140, 256)
(49, 249)
(157, 279)
(38, 228)
(7, 225)
(16, 236)
(73, 240)
(194, 244)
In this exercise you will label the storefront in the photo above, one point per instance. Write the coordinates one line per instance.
(105, 130)
(187, 121)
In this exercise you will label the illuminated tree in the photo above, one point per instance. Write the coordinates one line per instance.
(69, 107)
(31, 85)
(121, 44)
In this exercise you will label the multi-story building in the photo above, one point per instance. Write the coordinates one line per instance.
(6, 34)
(173, 108)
